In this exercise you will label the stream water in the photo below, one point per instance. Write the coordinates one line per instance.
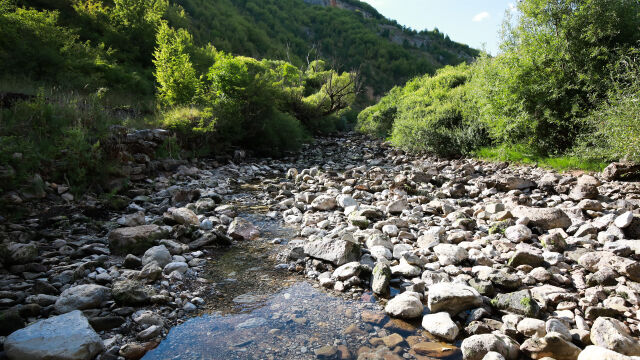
(258, 311)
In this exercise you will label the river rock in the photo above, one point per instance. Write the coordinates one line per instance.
(441, 325)
(131, 292)
(477, 346)
(183, 216)
(336, 251)
(543, 218)
(593, 352)
(452, 298)
(241, 229)
(406, 305)
(449, 254)
(613, 334)
(586, 188)
(18, 253)
(82, 297)
(518, 302)
(157, 254)
(552, 345)
(518, 233)
(381, 279)
(347, 271)
(324, 203)
(64, 337)
(134, 240)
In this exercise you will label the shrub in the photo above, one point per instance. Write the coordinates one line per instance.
(58, 137)
(433, 114)
(615, 126)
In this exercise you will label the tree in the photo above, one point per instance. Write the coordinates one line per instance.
(176, 77)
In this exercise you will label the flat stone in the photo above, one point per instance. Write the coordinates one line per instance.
(63, 337)
(82, 297)
(452, 298)
(134, 240)
(543, 218)
(336, 251)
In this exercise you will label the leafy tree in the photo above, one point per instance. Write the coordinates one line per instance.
(555, 69)
(176, 77)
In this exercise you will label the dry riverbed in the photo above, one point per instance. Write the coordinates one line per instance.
(349, 250)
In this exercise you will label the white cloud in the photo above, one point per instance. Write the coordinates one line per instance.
(481, 16)
(512, 7)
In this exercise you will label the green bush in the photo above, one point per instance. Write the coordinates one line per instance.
(554, 70)
(433, 114)
(615, 127)
(58, 137)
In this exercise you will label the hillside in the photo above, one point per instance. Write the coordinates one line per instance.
(115, 40)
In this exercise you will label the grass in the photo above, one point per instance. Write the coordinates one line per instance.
(519, 155)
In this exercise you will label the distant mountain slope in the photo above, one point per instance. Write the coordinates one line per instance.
(349, 33)
(96, 43)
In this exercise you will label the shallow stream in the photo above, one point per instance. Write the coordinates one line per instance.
(260, 312)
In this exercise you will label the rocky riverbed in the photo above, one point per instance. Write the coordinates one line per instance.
(425, 258)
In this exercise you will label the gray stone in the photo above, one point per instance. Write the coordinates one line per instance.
(452, 298)
(241, 229)
(543, 218)
(552, 345)
(324, 203)
(406, 305)
(614, 335)
(63, 337)
(157, 254)
(135, 240)
(82, 297)
(593, 352)
(518, 302)
(131, 292)
(586, 188)
(183, 216)
(477, 346)
(449, 254)
(337, 251)
(381, 279)
(518, 233)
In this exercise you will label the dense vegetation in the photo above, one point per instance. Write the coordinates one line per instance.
(566, 82)
(94, 43)
(260, 74)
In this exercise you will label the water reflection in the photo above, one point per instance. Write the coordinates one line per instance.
(291, 324)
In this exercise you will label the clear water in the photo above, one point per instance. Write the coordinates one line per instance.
(258, 312)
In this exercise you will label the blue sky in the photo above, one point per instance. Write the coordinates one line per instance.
(472, 22)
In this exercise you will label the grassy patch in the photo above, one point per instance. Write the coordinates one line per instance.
(520, 155)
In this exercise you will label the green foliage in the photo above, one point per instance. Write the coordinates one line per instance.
(377, 120)
(430, 114)
(174, 72)
(293, 30)
(520, 154)
(58, 139)
(558, 82)
(555, 68)
(615, 126)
